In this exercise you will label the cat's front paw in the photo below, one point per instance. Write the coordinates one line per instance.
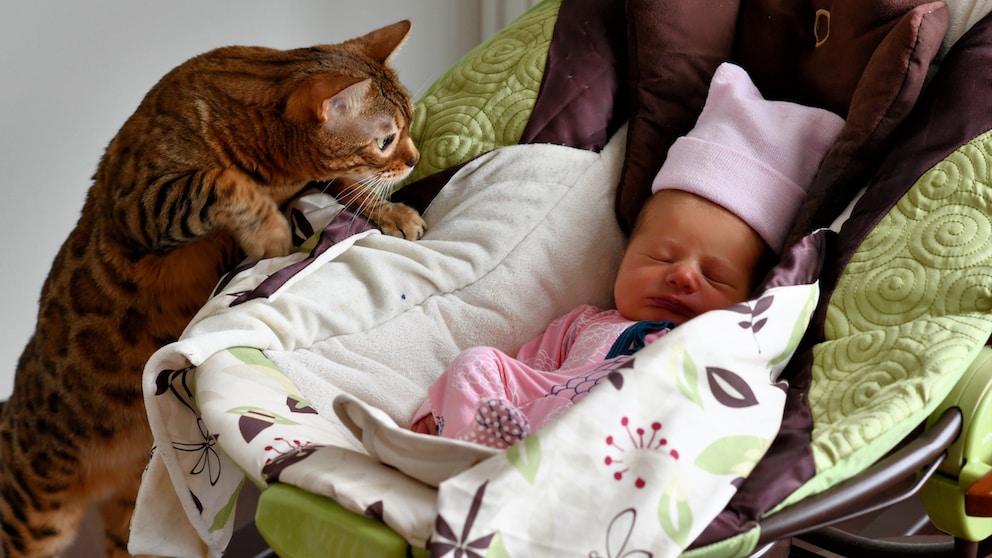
(397, 219)
(271, 239)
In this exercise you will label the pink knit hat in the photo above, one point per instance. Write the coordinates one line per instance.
(754, 157)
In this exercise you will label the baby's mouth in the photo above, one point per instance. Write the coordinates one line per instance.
(673, 305)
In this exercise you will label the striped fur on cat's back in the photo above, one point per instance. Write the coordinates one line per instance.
(191, 183)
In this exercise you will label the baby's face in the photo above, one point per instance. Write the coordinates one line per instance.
(686, 256)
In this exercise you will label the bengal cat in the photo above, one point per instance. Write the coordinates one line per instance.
(191, 183)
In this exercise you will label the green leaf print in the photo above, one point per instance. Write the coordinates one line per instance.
(687, 375)
(799, 328)
(525, 456)
(261, 364)
(227, 512)
(496, 548)
(675, 515)
(252, 356)
(733, 455)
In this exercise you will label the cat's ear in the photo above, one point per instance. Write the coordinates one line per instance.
(324, 97)
(345, 103)
(382, 44)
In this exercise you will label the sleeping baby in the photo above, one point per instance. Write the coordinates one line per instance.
(722, 206)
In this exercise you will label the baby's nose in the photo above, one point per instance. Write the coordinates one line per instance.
(684, 275)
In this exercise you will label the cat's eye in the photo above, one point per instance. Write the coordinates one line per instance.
(383, 143)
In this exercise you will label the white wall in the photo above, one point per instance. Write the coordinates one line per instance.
(72, 72)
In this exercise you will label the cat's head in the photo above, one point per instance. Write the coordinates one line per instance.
(356, 112)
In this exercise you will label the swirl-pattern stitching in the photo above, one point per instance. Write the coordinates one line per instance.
(485, 100)
(908, 310)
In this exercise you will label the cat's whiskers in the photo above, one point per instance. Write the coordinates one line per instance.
(357, 212)
(373, 184)
(327, 186)
(344, 198)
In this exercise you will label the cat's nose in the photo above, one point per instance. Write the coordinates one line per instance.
(412, 161)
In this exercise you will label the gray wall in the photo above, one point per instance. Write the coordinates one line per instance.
(72, 72)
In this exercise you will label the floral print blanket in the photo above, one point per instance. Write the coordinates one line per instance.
(301, 370)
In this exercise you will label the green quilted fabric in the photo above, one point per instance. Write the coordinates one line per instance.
(484, 101)
(910, 312)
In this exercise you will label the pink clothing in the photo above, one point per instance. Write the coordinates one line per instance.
(488, 397)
